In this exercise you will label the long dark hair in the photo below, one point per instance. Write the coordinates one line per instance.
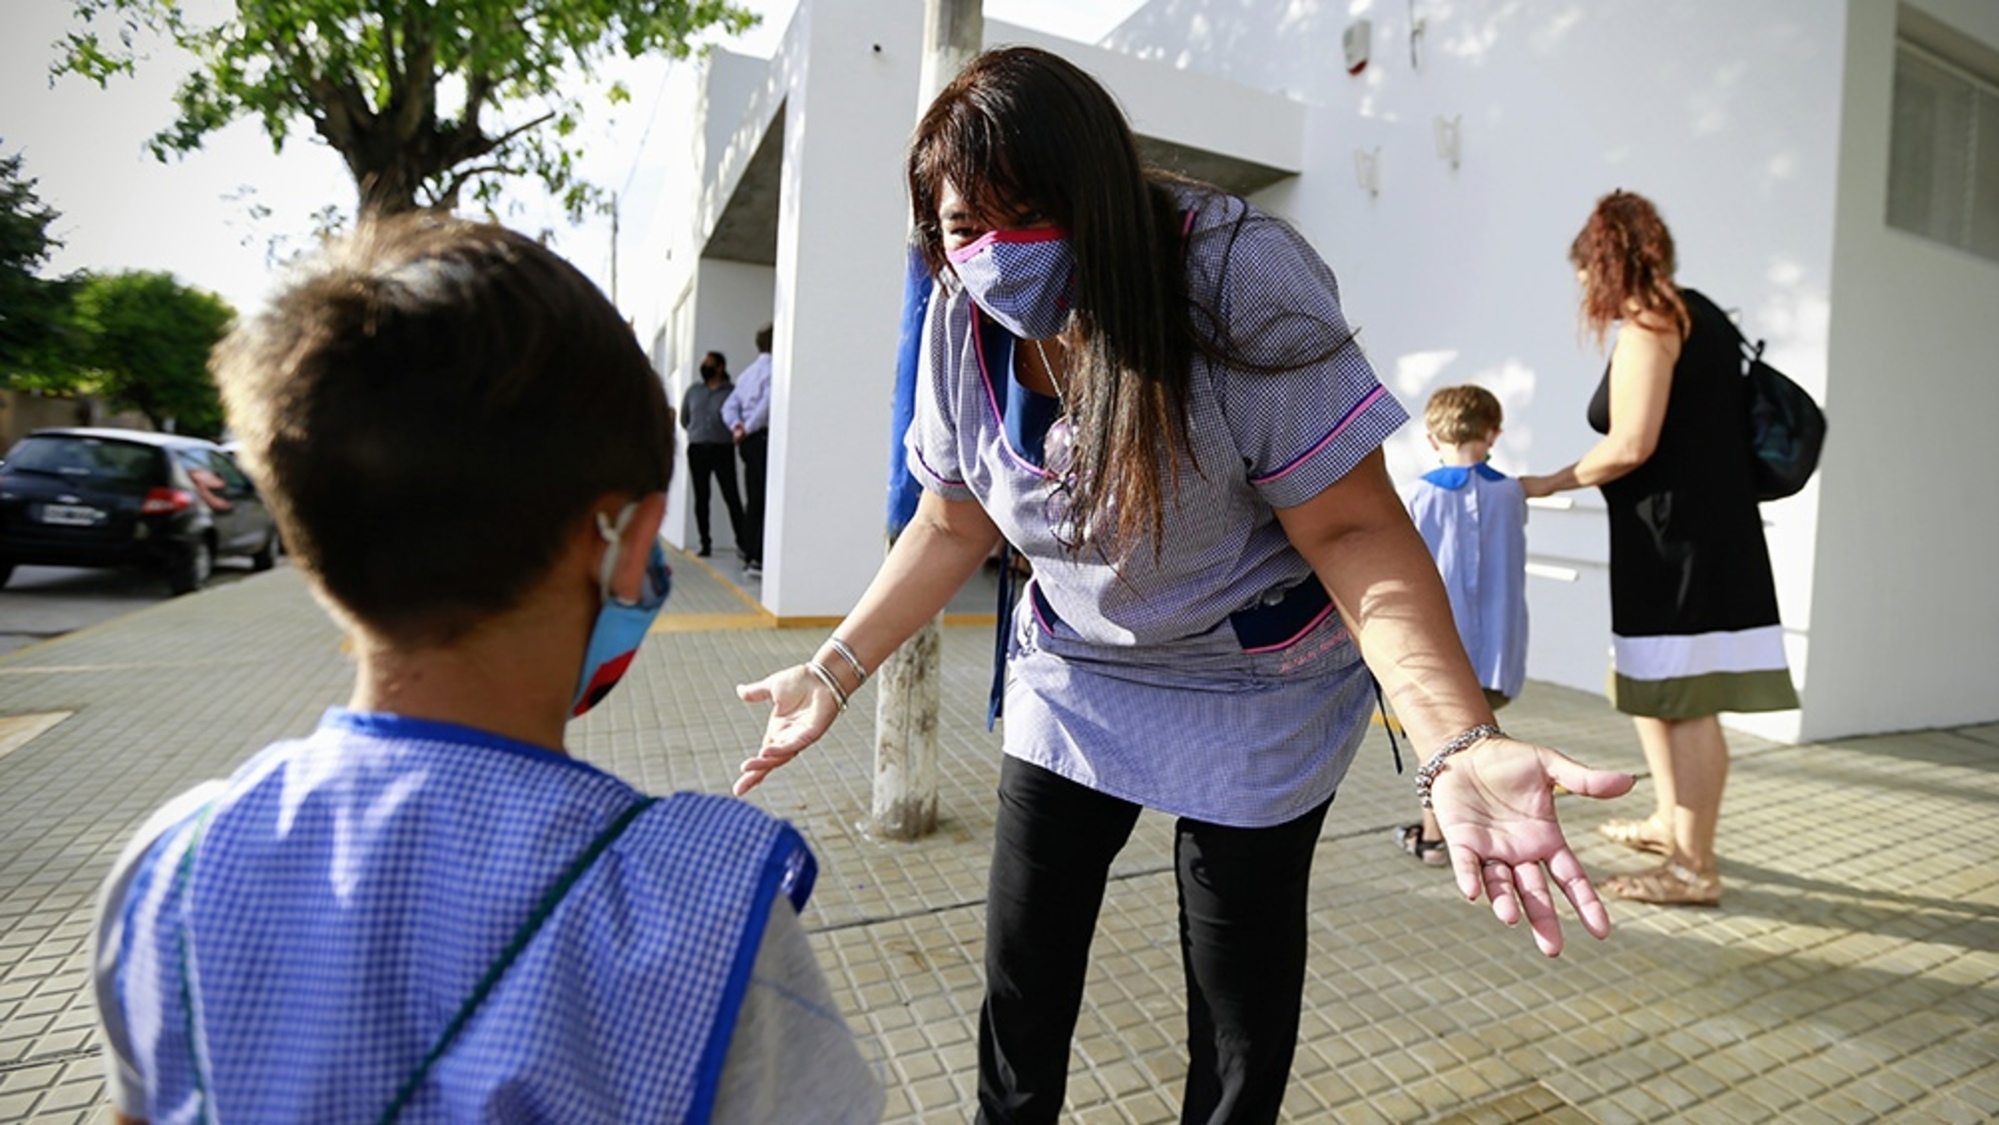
(1020, 126)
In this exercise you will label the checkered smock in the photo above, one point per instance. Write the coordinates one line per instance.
(1216, 683)
(348, 892)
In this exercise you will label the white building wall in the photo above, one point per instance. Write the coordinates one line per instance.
(1908, 612)
(1761, 130)
(842, 88)
(849, 107)
(685, 306)
(733, 300)
(1725, 114)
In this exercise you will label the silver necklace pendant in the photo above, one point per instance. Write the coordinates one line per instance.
(1059, 443)
(1058, 446)
(1049, 370)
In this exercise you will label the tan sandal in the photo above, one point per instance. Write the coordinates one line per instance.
(1669, 884)
(1634, 834)
(1430, 852)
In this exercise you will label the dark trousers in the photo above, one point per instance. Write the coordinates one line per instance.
(755, 450)
(1242, 945)
(706, 460)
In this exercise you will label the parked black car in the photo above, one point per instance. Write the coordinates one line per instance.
(103, 497)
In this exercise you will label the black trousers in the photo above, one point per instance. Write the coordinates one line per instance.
(1242, 945)
(712, 460)
(755, 450)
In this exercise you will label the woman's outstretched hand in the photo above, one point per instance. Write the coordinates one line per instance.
(801, 708)
(1496, 805)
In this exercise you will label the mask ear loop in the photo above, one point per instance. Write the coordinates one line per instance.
(614, 534)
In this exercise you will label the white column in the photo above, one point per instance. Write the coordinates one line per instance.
(838, 294)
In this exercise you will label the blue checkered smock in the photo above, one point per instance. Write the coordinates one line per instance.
(1216, 683)
(350, 889)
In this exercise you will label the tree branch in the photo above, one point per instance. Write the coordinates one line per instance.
(390, 61)
(456, 184)
(478, 87)
(472, 146)
(530, 127)
(417, 111)
(347, 114)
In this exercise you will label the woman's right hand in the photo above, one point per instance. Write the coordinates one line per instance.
(801, 709)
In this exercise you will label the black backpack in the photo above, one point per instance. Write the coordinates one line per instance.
(1786, 428)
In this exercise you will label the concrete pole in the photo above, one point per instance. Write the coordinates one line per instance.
(905, 791)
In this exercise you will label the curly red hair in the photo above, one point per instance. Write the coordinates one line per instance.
(1626, 255)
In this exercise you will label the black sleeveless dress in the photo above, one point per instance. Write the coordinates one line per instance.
(1693, 606)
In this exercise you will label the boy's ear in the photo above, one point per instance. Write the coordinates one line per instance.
(635, 545)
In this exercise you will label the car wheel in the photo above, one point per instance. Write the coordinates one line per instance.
(266, 556)
(6, 572)
(190, 568)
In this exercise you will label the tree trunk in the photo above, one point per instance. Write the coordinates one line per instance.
(905, 791)
(385, 193)
(388, 181)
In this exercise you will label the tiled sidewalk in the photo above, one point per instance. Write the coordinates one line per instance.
(1852, 973)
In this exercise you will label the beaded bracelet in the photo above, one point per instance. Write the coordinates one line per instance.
(1435, 765)
(820, 673)
(854, 662)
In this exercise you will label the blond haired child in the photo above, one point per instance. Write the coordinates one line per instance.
(1474, 519)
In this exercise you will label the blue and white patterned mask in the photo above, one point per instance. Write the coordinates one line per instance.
(1024, 279)
(621, 625)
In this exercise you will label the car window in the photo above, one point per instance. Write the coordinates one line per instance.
(228, 470)
(87, 458)
(194, 458)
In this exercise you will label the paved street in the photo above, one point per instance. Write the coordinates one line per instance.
(39, 603)
(1851, 974)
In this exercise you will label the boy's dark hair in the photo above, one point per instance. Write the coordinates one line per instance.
(1457, 415)
(431, 406)
(763, 338)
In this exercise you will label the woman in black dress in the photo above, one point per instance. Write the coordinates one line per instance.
(1693, 604)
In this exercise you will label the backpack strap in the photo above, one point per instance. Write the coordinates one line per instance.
(550, 899)
(1750, 352)
(184, 954)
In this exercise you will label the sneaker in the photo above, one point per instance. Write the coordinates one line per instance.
(704, 552)
(753, 570)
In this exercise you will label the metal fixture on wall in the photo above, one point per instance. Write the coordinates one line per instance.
(1450, 137)
(1367, 169)
(1357, 41)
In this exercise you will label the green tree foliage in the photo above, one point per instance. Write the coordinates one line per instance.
(424, 99)
(144, 340)
(33, 310)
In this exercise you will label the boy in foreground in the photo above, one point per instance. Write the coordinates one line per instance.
(426, 910)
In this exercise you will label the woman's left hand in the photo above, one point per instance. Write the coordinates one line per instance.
(1534, 487)
(1496, 805)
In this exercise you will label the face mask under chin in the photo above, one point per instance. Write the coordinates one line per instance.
(621, 626)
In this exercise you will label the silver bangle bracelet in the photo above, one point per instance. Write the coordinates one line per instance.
(854, 662)
(1435, 765)
(820, 673)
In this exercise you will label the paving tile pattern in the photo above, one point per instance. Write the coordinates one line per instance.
(1852, 973)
